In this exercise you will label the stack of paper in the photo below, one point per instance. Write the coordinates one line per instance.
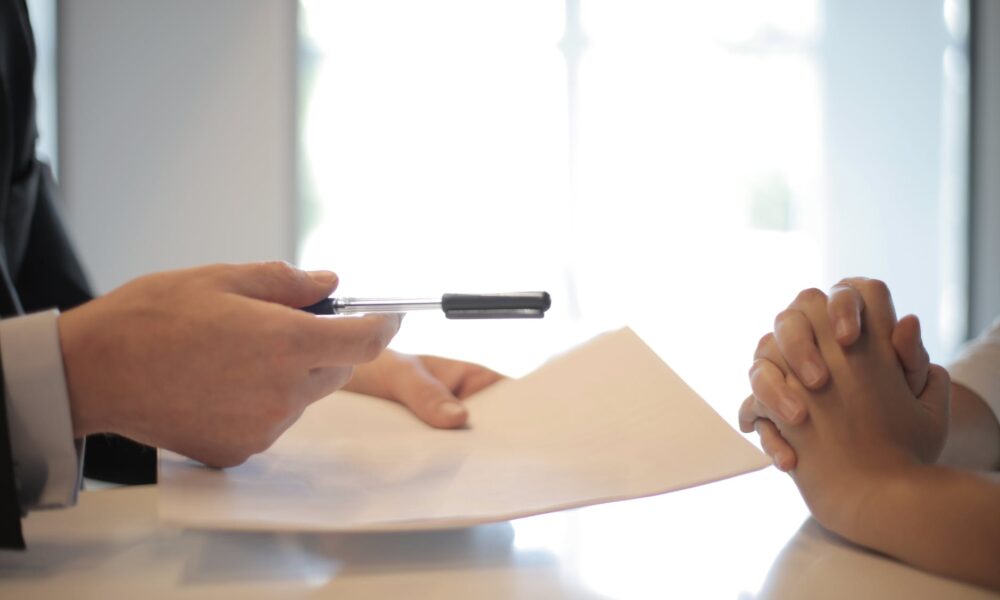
(606, 421)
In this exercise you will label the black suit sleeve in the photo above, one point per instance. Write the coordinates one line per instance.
(50, 274)
(10, 510)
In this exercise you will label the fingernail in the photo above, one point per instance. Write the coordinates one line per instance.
(811, 373)
(323, 277)
(451, 409)
(789, 409)
(841, 329)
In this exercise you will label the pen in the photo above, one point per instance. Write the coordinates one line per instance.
(520, 305)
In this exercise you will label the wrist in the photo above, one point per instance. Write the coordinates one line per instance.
(85, 412)
(846, 498)
(874, 501)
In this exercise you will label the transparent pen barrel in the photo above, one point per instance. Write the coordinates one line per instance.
(344, 306)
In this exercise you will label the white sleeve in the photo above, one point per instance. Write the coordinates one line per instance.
(978, 367)
(47, 460)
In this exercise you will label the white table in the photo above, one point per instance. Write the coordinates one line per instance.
(743, 538)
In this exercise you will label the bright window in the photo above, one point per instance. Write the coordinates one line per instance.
(680, 167)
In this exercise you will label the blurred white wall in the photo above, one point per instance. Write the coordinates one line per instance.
(177, 132)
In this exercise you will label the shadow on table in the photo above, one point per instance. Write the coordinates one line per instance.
(242, 556)
(45, 559)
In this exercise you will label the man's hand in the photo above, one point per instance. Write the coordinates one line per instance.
(793, 345)
(213, 362)
(429, 386)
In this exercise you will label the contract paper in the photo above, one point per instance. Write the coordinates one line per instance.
(606, 421)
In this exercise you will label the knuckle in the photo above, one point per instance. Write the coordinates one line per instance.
(373, 346)
(280, 270)
(877, 288)
(810, 296)
(782, 317)
(785, 320)
(333, 378)
(756, 374)
(753, 409)
(213, 270)
(210, 276)
(763, 344)
(849, 283)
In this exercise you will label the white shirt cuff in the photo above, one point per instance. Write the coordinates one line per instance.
(47, 460)
(978, 367)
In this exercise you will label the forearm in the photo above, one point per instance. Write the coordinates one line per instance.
(943, 520)
(973, 440)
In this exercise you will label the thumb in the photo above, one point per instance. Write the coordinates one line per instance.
(935, 402)
(936, 397)
(280, 282)
(912, 355)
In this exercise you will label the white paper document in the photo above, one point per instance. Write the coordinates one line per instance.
(606, 421)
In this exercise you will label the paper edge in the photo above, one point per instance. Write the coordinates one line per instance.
(438, 524)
